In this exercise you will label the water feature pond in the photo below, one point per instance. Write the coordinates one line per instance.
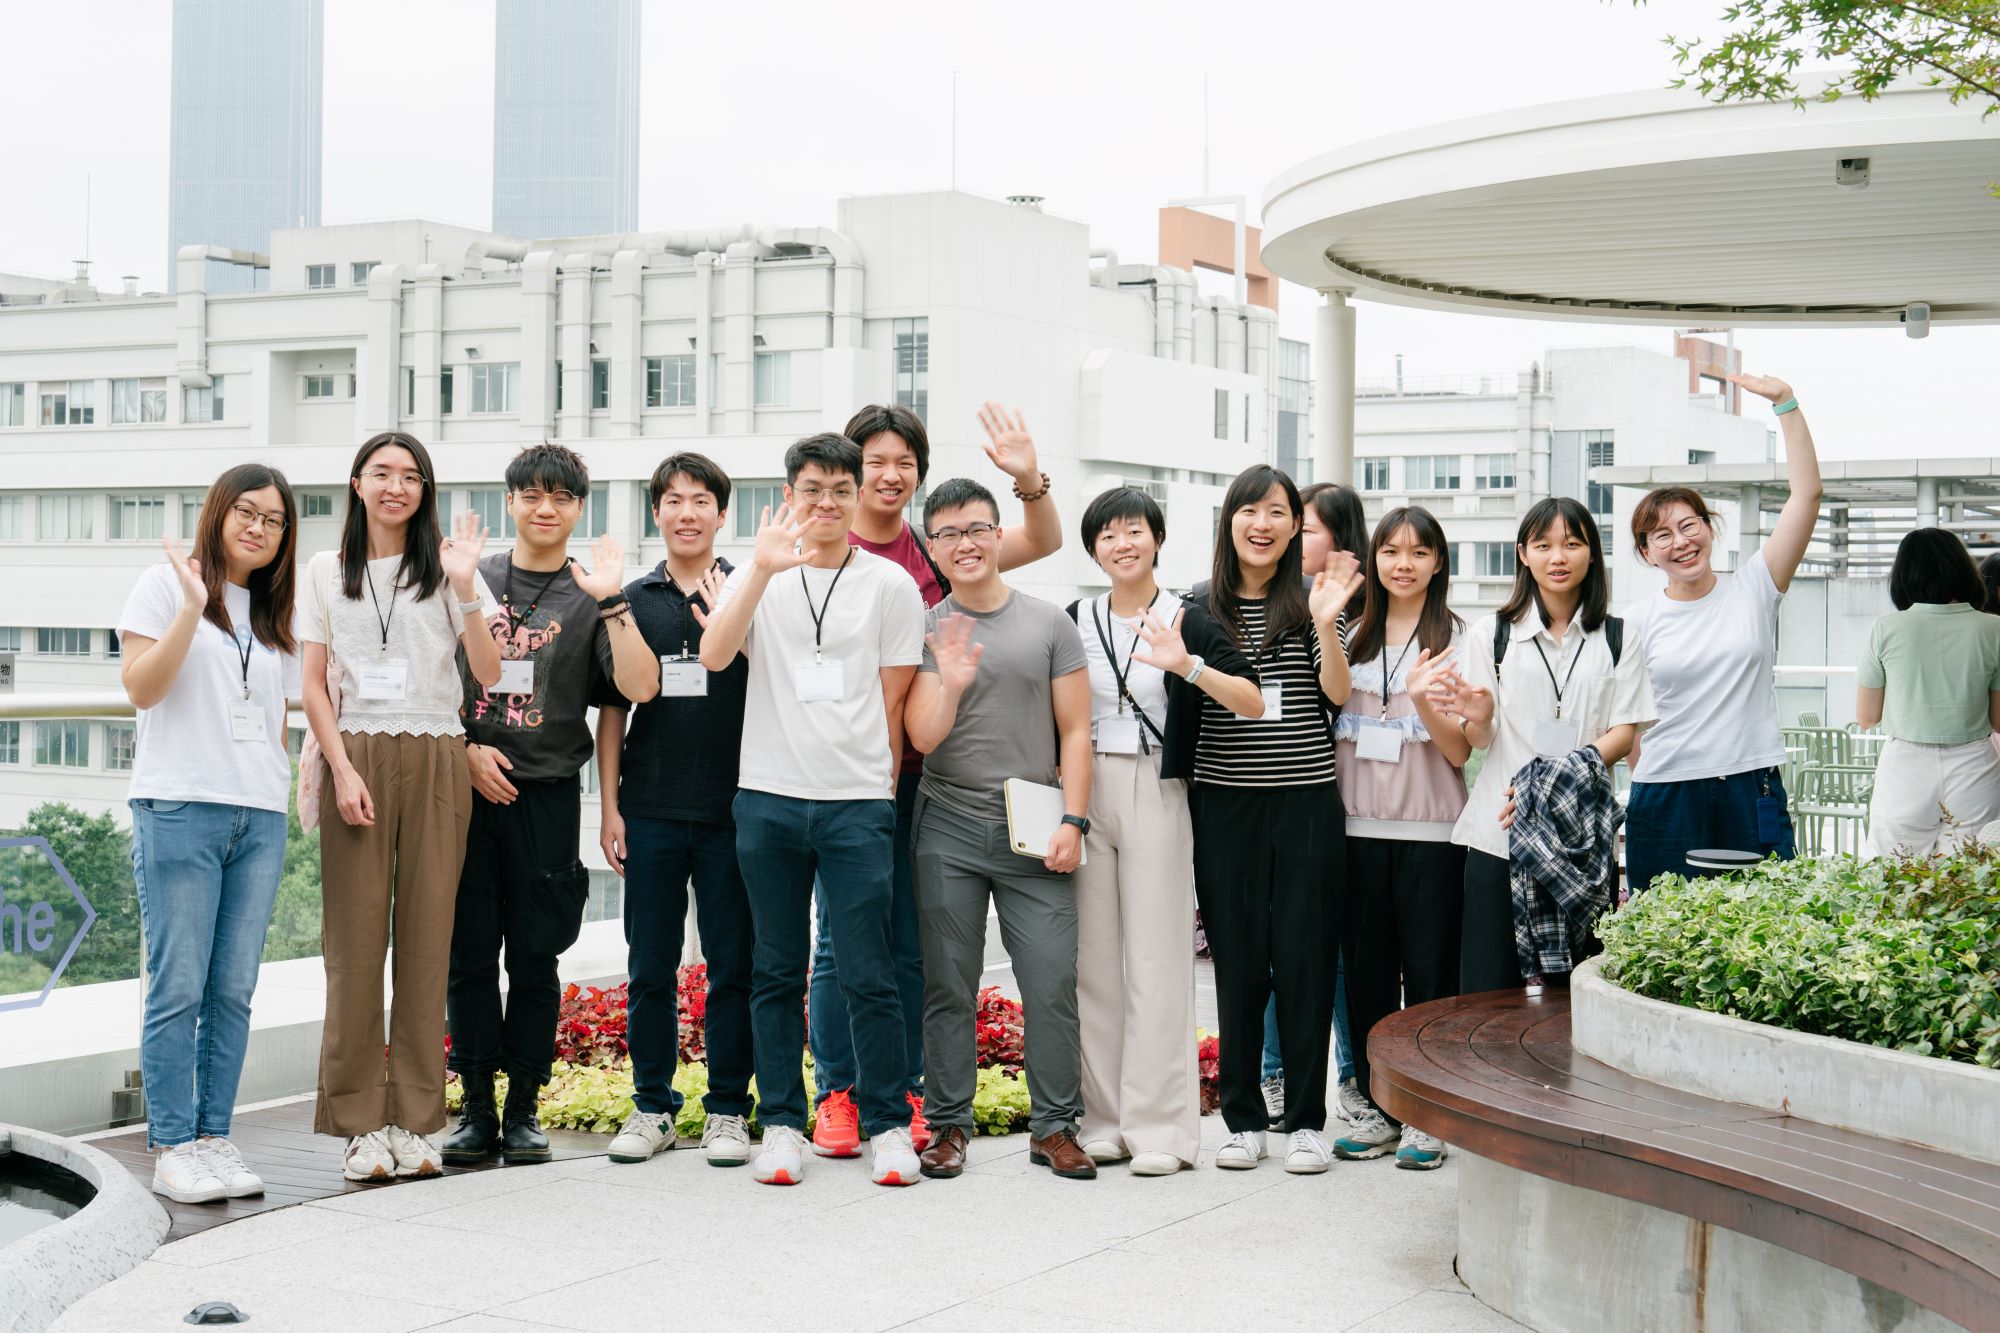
(35, 1194)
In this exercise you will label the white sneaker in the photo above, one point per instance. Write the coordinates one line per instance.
(184, 1174)
(1350, 1105)
(726, 1140)
(1241, 1152)
(235, 1174)
(1307, 1153)
(1104, 1152)
(1155, 1164)
(369, 1157)
(895, 1159)
(781, 1161)
(643, 1135)
(415, 1154)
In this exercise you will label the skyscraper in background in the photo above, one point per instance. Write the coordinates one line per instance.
(565, 117)
(246, 127)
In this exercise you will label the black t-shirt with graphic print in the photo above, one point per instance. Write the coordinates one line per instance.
(546, 733)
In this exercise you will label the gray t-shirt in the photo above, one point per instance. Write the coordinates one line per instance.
(1006, 724)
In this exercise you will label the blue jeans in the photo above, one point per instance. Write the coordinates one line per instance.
(782, 842)
(828, 1028)
(207, 877)
(1343, 1041)
(1664, 820)
(660, 856)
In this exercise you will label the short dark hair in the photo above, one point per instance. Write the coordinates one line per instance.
(553, 467)
(954, 493)
(899, 421)
(1593, 598)
(1933, 566)
(1123, 502)
(698, 468)
(1989, 569)
(835, 453)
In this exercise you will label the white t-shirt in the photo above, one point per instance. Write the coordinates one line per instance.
(421, 635)
(1711, 663)
(826, 749)
(186, 750)
(1146, 682)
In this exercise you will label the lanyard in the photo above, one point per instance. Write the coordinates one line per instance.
(1567, 677)
(243, 646)
(1387, 670)
(687, 608)
(380, 619)
(1118, 673)
(819, 612)
(514, 622)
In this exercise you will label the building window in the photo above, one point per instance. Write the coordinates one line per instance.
(1496, 473)
(912, 385)
(1432, 472)
(75, 404)
(319, 386)
(596, 513)
(670, 381)
(203, 404)
(10, 742)
(445, 378)
(491, 505)
(316, 504)
(362, 268)
(138, 401)
(10, 638)
(13, 520)
(114, 647)
(138, 518)
(190, 517)
(600, 385)
(13, 404)
(1599, 450)
(1488, 560)
(63, 518)
(749, 499)
(62, 744)
(319, 277)
(774, 379)
(62, 641)
(1373, 473)
(496, 386)
(120, 742)
(1700, 456)
(409, 391)
(1222, 414)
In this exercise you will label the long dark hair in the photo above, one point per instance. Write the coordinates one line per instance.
(421, 569)
(1339, 510)
(1286, 608)
(1436, 622)
(270, 586)
(1593, 600)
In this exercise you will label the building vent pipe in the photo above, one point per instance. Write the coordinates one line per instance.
(1033, 201)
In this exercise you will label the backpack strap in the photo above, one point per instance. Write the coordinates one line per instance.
(1502, 631)
(944, 584)
(1070, 611)
(1614, 637)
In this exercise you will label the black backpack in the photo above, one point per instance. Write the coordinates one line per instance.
(1614, 638)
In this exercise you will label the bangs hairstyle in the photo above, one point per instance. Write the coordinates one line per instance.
(700, 469)
(1435, 622)
(421, 569)
(272, 587)
(955, 494)
(551, 467)
(1127, 503)
(1593, 600)
(898, 421)
(1651, 512)
(1286, 608)
(1933, 567)
(1339, 510)
(834, 453)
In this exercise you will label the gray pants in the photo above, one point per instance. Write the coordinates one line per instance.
(962, 863)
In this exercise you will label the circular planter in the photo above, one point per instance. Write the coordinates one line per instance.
(43, 1274)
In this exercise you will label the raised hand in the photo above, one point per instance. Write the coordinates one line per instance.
(1427, 671)
(1164, 646)
(1454, 698)
(956, 655)
(460, 552)
(1764, 386)
(194, 592)
(1334, 585)
(710, 591)
(778, 540)
(1010, 446)
(607, 568)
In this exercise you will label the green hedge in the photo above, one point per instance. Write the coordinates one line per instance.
(1897, 953)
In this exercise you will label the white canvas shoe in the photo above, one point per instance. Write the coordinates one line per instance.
(184, 1174)
(1307, 1153)
(1241, 1152)
(235, 1174)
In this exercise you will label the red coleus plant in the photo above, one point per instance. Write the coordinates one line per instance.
(1208, 1056)
(997, 1021)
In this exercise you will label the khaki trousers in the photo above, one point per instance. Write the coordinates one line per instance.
(1135, 961)
(404, 867)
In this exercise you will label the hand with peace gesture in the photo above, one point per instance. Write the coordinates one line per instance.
(1333, 586)
(1164, 647)
(194, 593)
(1764, 386)
(459, 553)
(1010, 446)
(607, 568)
(778, 546)
(954, 652)
(710, 592)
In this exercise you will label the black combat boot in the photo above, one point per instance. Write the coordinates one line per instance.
(478, 1132)
(522, 1140)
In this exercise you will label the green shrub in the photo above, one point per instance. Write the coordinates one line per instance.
(1896, 953)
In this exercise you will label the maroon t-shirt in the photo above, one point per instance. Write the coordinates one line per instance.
(905, 551)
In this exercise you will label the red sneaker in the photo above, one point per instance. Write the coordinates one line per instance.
(837, 1127)
(920, 1128)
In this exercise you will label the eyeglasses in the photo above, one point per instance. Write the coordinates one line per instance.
(382, 476)
(979, 532)
(251, 518)
(533, 499)
(813, 493)
(1661, 538)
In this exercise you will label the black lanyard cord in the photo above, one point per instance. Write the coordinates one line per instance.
(380, 619)
(1568, 676)
(1119, 673)
(819, 612)
(244, 645)
(514, 621)
(1387, 670)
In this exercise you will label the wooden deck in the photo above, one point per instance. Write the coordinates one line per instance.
(297, 1165)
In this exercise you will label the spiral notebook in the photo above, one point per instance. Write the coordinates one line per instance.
(1034, 813)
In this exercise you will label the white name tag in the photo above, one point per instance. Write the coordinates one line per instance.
(246, 721)
(1382, 744)
(681, 678)
(1555, 737)
(1274, 704)
(819, 682)
(1118, 735)
(385, 678)
(516, 677)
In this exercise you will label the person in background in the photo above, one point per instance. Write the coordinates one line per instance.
(210, 656)
(1930, 676)
(1989, 573)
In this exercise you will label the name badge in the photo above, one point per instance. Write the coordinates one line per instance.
(385, 679)
(1274, 704)
(681, 678)
(819, 682)
(1555, 737)
(1118, 735)
(516, 677)
(1380, 743)
(246, 721)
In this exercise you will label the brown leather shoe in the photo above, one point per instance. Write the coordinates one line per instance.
(945, 1157)
(1061, 1153)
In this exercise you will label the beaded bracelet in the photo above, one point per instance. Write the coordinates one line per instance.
(1027, 496)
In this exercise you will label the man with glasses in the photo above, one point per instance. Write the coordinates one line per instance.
(564, 632)
(1002, 694)
(833, 635)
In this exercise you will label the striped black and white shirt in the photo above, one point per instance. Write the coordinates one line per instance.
(1294, 751)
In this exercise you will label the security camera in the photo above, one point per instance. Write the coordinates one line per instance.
(1851, 173)
(1917, 319)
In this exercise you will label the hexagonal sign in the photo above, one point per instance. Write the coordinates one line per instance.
(33, 882)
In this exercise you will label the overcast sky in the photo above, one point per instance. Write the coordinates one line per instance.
(770, 113)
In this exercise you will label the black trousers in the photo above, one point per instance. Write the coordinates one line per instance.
(1269, 863)
(522, 893)
(1487, 959)
(1401, 931)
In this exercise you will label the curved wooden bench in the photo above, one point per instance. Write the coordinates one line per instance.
(1495, 1075)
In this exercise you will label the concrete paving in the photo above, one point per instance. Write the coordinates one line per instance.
(590, 1245)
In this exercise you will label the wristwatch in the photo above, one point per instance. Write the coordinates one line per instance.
(1079, 823)
(1195, 670)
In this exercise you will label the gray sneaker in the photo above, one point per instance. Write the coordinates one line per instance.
(1350, 1102)
(644, 1134)
(1368, 1135)
(1274, 1100)
(1419, 1151)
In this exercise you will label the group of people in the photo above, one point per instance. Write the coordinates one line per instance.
(838, 744)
